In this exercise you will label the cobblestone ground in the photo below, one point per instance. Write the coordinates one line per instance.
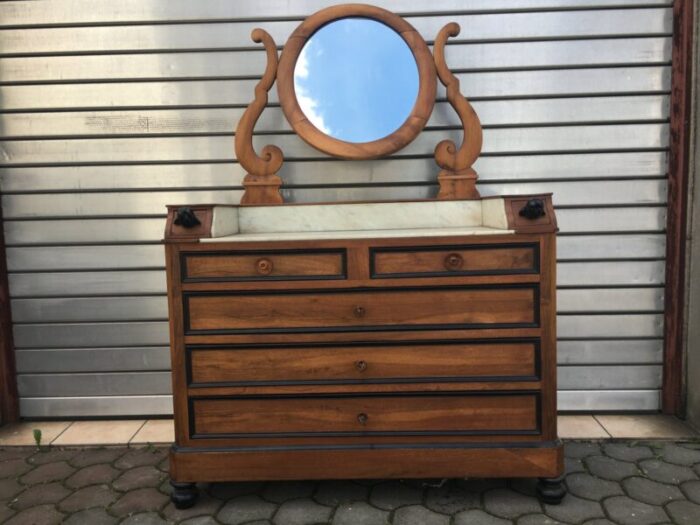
(626, 483)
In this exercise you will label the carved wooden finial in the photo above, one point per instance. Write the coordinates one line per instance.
(457, 178)
(261, 182)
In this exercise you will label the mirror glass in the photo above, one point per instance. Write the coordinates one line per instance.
(356, 80)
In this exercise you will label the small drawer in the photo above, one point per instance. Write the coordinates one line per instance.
(398, 414)
(263, 265)
(368, 363)
(433, 261)
(393, 308)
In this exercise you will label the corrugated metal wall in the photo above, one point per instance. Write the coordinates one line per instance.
(111, 109)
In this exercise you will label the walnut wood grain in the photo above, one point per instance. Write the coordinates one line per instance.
(414, 123)
(457, 179)
(434, 413)
(263, 265)
(378, 308)
(261, 182)
(444, 362)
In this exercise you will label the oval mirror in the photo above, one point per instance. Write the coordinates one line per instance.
(356, 81)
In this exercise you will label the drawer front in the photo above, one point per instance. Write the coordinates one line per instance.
(410, 308)
(371, 363)
(371, 414)
(455, 260)
(249, 266)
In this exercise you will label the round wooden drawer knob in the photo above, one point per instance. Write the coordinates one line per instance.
(359, 311)
(454, 262)
(264, 266)
(362, 418)
(361, 365)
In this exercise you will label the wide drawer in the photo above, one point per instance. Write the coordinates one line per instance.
(371, 414)
(327, 311)
(367, 363)
(434, 261)
(263, 265)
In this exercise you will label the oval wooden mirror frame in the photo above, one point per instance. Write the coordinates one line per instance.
(412, 126)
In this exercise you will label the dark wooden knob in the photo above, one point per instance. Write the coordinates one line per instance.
(361, 365)
(362, 418)
(454, 261)
(264, 266)
(359, 311)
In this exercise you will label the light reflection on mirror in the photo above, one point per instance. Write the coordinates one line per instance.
(356, 80)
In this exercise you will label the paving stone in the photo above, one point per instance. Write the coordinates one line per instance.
(41, 515)
(359, 513)
(649, 491)
(540, 519)
(451, 498)
(609, 468)
(91, 517)
(590, 487)
(601, 521)
(9, 488)
(627, 452)
(479, 486)
(507, 503)
(5, 512)
(140, 500)
(14, 453)
(206, 506)
(666, 472)
(572, 465)
(92, 475)
(51, 455)
(138, 457)
(93, 456)
(139, 477)
(478, 517)
(302, 512)
(281, 491)
(392, 494)
(673, 453)
(149, 518)
(14, 468)
(696, 468)
(333, 493)
(88, 497)
(244, 509)
(581, 450)
(690, 488)
(48, 473)
(575, 509)
(626, 511)
(232, 490)
(684, 512)
(419, 515)
(202, 520)
(39, 495)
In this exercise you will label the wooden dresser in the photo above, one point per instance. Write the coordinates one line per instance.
(302, 350)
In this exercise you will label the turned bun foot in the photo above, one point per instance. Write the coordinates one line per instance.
(551, 490)
(184, 495)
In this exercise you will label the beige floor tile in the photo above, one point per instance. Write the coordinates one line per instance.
(18, 434)
(156, 431)
(580, 427)
(99, 433)
(645, 426)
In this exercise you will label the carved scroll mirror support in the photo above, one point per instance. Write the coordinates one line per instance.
(457, 178)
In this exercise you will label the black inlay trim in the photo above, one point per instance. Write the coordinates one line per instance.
(456, 247)
(525, 432)
(191, 349)
(242, 253)
(362, 328)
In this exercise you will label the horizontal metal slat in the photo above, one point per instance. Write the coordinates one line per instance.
(625, 377)
(330, 172)
(237, 34)
(589, 220)
(223, 120)
(616, 352)
(609, 326)
(105, 384)
(610, 246)
(609, 400)
(609, 300)
(86, 283)
(611, 273)
(98, 406)
(67, 360)
(551, 83)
